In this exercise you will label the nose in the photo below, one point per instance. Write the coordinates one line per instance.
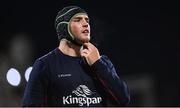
(85, 23)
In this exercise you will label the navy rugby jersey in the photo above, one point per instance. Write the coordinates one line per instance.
(61, 80)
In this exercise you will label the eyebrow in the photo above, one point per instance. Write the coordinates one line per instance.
(78, 17)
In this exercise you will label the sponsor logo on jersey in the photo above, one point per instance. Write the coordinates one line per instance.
(82, 97)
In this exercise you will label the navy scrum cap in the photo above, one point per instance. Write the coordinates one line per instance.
(62, 22)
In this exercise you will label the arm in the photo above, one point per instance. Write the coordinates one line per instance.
(109, 79)
(35, 92)
(106, 74)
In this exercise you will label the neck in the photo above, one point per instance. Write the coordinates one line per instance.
(68, 48)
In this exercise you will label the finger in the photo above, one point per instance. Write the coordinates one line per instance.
(87, 46)
(84, 54)
(85, 50)
(90, 45)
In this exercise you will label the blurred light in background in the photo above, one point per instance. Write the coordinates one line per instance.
(20, 51)
(27, 73)
(16, 57)
(13, 77)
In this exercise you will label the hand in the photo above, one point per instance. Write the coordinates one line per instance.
(90, 52)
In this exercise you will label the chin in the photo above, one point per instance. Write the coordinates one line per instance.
(85, 40)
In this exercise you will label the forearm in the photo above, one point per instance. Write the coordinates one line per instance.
(107, 76)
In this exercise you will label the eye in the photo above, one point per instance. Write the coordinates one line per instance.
(87, 20)
(76, 19)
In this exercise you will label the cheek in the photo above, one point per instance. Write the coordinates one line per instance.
(89, 29)
(75, 29)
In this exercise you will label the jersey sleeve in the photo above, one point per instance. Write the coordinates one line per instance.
(111, 82)
(36, 88)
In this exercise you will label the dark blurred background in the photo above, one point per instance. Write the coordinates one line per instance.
(141, 38)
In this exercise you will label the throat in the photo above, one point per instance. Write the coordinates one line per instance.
(69, 48)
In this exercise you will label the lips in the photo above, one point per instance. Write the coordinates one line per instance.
(85, 31)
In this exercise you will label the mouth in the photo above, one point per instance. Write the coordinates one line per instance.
(85, 31)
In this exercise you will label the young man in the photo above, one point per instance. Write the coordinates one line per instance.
(74, 74)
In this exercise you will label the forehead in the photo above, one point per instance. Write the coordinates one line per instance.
(80, 15)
